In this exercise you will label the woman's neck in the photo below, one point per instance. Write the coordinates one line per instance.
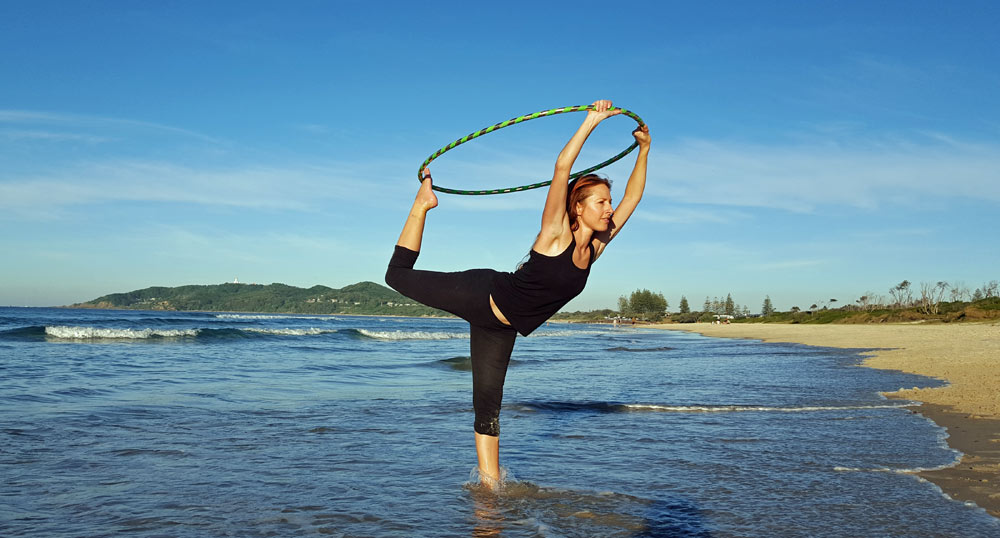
(582, 235)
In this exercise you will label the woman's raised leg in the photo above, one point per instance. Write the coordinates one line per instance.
(413, 230)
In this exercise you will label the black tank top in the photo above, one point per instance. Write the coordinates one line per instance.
(539, 288)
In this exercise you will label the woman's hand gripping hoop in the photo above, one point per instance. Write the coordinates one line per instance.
(520, 119)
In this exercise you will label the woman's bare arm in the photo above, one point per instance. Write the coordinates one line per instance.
(555, 222)
(633, 192)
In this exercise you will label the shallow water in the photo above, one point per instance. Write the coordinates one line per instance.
(203, 424)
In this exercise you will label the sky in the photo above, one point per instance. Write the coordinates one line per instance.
(805, 151)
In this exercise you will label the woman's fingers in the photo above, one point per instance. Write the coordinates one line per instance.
(605, 108)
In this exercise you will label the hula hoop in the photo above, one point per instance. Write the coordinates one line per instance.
(521, 119)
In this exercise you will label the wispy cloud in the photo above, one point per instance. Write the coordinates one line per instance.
(826, 177)
(38, 135)
(52, 118)
(825, 174)
(781, 265)
(690, 215)
(177, 240)
(755, 258)
(882, 235)
(249, 186)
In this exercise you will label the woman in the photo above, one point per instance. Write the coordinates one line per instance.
(577, 224)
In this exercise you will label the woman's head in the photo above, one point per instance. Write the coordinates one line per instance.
(577, 207)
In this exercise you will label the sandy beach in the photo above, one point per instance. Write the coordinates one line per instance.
(966, 355)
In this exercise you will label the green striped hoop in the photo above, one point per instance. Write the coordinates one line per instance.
(520, 119)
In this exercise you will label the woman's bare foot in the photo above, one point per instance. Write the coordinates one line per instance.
(426, 199)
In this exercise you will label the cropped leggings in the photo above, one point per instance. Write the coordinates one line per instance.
(467, 295)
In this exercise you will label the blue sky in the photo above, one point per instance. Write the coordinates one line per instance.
(802, 150)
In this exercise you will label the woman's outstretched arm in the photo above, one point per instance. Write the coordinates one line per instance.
(554, 218)
(633, 192)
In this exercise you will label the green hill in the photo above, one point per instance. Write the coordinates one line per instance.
(360, 298)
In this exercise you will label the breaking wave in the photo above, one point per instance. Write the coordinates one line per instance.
(252, 317)
(90, 333)
(292, 332)
(410, 335)
(66, 332)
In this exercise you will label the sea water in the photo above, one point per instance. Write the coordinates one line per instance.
(212, 424)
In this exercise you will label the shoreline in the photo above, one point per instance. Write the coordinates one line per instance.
(966, 356)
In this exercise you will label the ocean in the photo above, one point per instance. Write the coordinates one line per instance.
(217, 424)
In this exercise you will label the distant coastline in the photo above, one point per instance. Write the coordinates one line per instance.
(444, 315)
(363, 298)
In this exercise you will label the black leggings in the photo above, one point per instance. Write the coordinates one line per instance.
(467, 295)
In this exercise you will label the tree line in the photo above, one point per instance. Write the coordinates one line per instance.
(643, 304)
(926, 298)
(650, 306)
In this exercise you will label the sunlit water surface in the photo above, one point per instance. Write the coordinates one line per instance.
(204, 424)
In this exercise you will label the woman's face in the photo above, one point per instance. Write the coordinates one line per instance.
(595, 210)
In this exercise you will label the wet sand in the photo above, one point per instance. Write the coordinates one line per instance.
(966, 355)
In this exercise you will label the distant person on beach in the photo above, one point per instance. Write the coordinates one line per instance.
(578, 222)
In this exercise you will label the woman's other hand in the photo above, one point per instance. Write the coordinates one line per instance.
(641, 135)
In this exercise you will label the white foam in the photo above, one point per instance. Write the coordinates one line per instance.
(914, 470)
(744, 408)
(411, 335)
(291, 332)
(272, 316)
(564, 332)
(486, 484)
(60, 331)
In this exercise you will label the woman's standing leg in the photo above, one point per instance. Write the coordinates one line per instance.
(488, 454)
(490, 347)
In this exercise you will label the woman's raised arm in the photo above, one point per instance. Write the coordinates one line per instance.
(554, 218)
(633, 192)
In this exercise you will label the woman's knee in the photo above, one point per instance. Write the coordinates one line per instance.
(400, 265)
(488, 424)
(394, 277)
(487, 396)
(491, 350)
